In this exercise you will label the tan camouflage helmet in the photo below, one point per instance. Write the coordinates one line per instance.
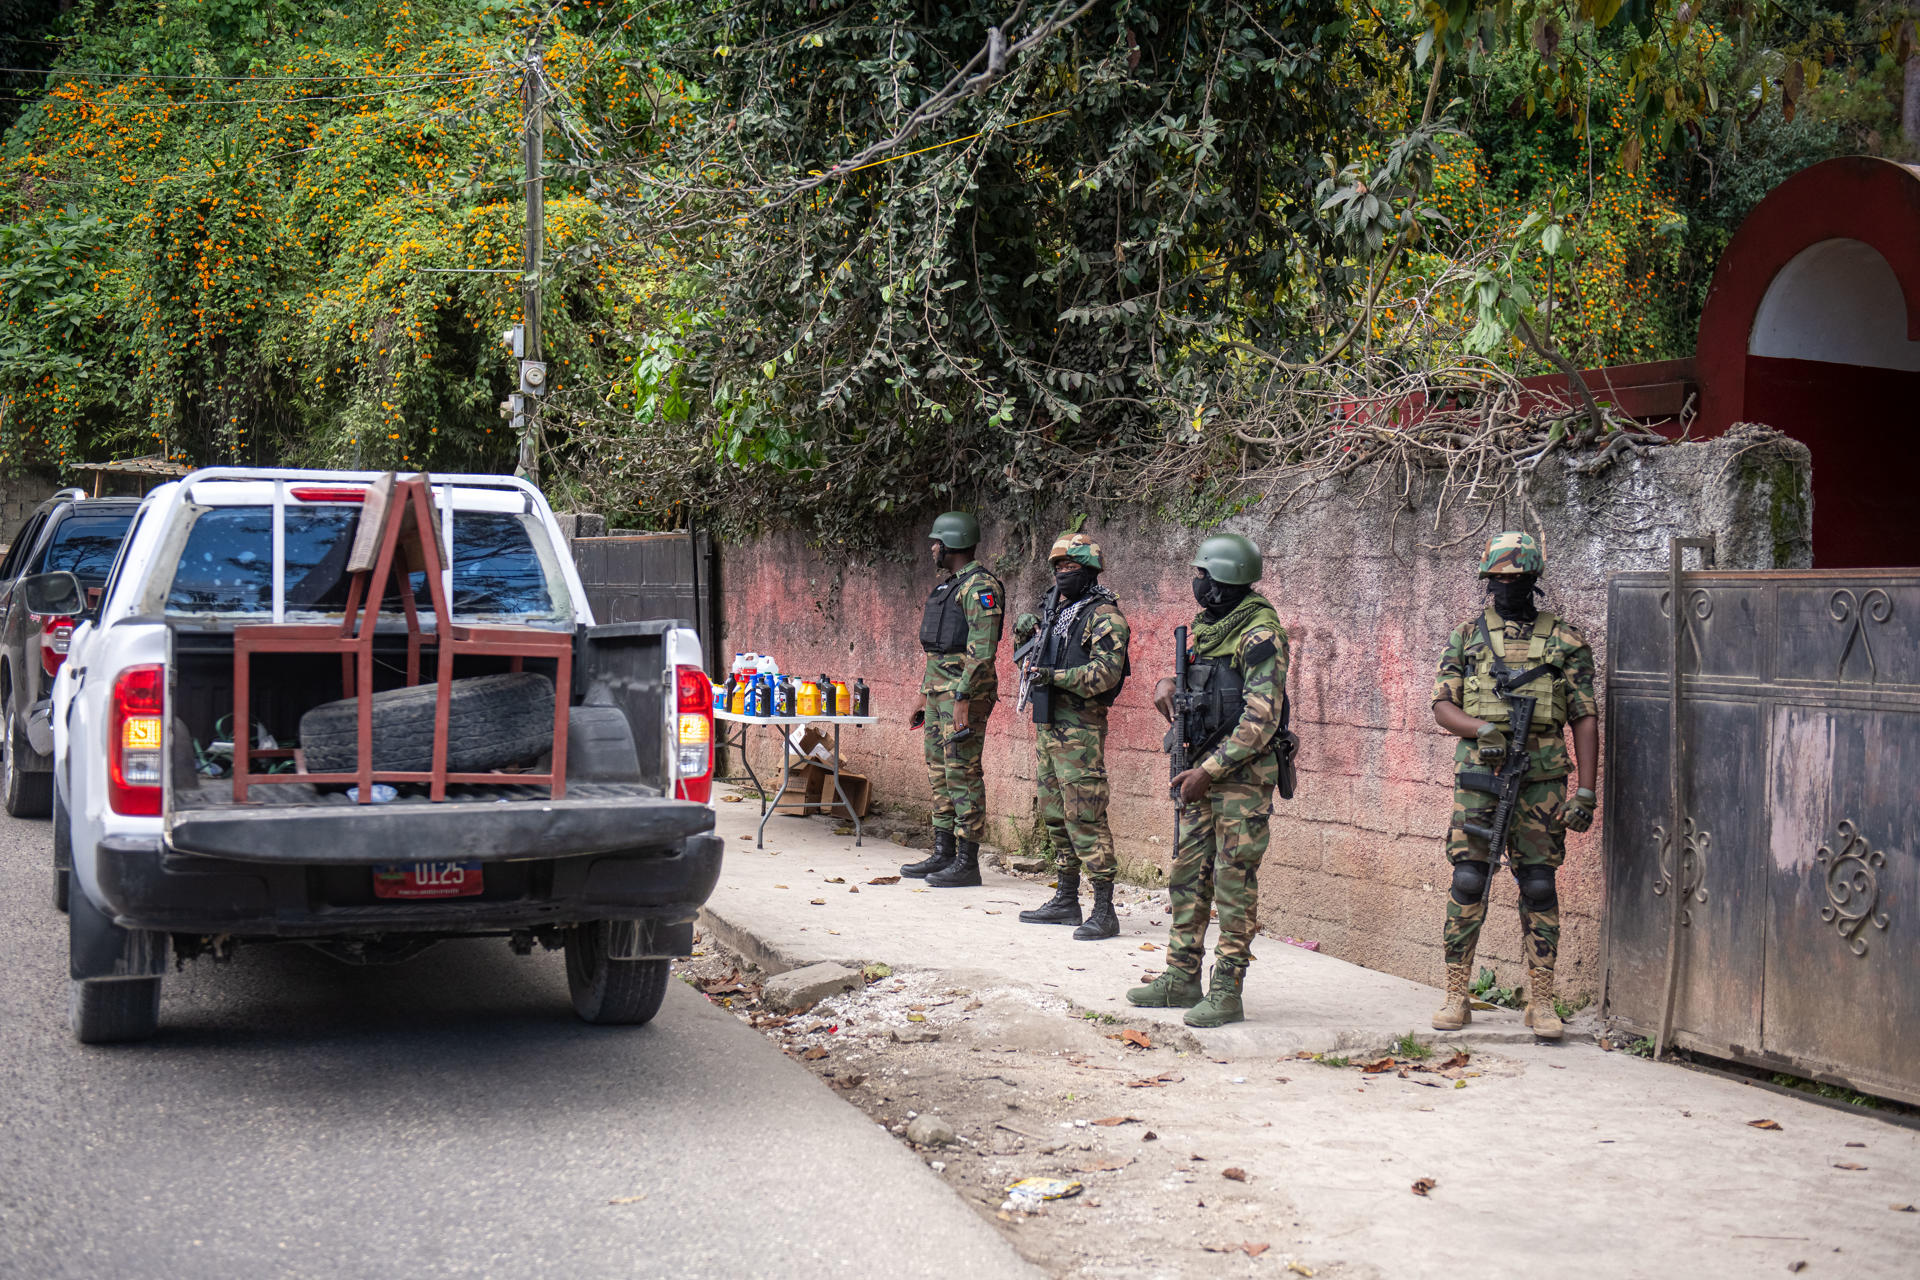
(1077, 547)
(1512, 553)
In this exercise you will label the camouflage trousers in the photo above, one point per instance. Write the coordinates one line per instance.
(959, 787)
(1537, 837)
(1223, 837)
(1072, 777)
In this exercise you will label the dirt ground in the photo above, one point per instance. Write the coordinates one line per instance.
(1175, 1153)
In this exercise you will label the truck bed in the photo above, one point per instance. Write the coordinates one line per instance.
(296, 822)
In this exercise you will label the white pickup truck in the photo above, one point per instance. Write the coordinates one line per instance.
(157, 864)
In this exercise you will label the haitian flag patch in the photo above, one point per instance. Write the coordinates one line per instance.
(987, 599)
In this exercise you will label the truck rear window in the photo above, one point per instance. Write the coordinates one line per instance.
(227, 564)
(85, 545)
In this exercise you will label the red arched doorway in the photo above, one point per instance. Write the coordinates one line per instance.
(1813, 326)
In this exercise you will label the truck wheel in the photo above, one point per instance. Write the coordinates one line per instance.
(492, 722)
(113, 1010)
(62, 853)
(26, 794)
(612, 992)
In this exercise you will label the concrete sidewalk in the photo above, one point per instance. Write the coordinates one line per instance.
(1295, 999)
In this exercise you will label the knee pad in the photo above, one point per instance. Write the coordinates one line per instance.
(1536, 888)
(1469, 882)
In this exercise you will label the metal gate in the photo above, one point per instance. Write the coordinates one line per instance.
(1763, 845)
(641, 577)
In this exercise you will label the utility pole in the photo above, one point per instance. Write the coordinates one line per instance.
(533, 368)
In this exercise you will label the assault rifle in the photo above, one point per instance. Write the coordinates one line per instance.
(1504, 785)
(1028, 657)
(1180, 749)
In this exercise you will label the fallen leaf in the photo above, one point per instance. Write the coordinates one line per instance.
(1196, 1157)
(1856, 1144)
(1423, 1185)
(1234, 1175)
(1375, 1067)
(723, 800)
(1857, 1168)
(853, 888)
(1797, 1266)
(1160, 1081)
(1246, 1246)
(918, 1008)
(1283, 1079)
(819, 902)
(814, 1054)
(779, 886)
(1151, 1136)
(627, 1199)
(836, 880)
(916, 1017)
(1110, 1121)
(1104, 1166)
(884, 880)
(1763, 1124)
(1459, 1084)
(1457, 1060)
(1137, 1038)
(1300, 1268)
(970, 1006)
(990, 911)
(1148, 946)
(1897, 1208)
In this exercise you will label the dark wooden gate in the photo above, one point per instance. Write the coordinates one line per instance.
(640, 577)
(1777, 921)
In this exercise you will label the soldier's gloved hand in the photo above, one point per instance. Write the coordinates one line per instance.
(1042, 676)
(1580, 809)
(1025, 625)
(1493, 743)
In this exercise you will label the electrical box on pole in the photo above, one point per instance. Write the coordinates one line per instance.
(532, 368)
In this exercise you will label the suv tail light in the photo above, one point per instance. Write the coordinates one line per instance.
(693, 741)
(56, 632)
(134, 749)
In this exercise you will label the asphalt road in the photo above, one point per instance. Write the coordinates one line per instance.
(443, 1117)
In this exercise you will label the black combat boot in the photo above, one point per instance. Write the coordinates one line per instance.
(1064, 906)
(1102, 923)
(963, 872)
(936, 861)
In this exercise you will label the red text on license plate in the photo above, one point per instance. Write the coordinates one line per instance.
(427, 880)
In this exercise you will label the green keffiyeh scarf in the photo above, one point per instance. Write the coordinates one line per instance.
(1217, 639)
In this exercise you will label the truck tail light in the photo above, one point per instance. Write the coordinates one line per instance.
(56, 633)
(693, 740)
(134, 750)
(326, 493)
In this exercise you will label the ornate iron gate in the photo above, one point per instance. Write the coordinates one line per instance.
(1763, 844)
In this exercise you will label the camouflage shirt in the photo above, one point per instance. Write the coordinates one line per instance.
(1246, 753)
(1103, 632)
(1566, 649)
(971, 673)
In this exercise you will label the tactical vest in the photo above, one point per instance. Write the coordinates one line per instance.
(943, 626)
(1548, 688)
(1074, 651)
(1219, 689)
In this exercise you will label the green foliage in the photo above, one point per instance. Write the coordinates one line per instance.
(1056, 275)
(1487, 987)
(1411, 1046)
(258, 269)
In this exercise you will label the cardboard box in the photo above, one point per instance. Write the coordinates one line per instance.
(815, 783)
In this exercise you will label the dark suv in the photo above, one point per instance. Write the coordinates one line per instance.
(80, 535)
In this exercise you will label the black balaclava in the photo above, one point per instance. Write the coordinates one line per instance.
(1074, 581)
(1513, 601)
(1218, 598)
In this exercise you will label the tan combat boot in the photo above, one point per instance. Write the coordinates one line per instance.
(1540, 1013)
(1456, 1010)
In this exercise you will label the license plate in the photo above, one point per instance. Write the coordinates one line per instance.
(427, 880)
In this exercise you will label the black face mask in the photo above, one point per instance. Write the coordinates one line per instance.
(1074, 582)
(1219, 598)
(1514, 600)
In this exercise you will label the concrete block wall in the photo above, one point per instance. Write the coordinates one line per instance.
(1368, 582)
(19, 495)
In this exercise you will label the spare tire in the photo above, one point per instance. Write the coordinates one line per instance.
(493, 722)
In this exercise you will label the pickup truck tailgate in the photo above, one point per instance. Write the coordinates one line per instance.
(298, 823)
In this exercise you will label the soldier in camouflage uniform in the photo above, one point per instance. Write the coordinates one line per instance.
(1238, 674)
(1070, 679)
(1515, 637)
(960, 632)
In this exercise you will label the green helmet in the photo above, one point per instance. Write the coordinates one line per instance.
(1512, 553)
(1229, 558)
(957, 530)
